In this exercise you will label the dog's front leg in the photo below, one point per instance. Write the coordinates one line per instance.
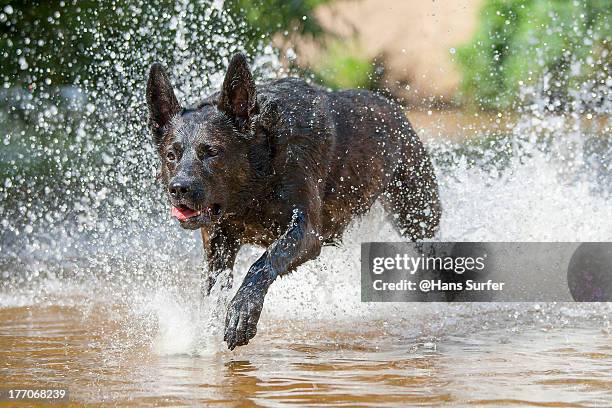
(221, 250)
(298, 244)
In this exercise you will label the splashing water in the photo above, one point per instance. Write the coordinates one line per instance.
(84, 222)
(105, 287)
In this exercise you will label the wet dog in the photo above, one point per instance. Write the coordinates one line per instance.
(285, 165)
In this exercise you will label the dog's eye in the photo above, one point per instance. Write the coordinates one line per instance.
(212, 151)
(170, 156)
(207, 151)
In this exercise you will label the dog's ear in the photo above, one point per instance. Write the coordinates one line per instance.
(161, 100)
(238, 98)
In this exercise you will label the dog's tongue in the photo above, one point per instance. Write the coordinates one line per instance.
(183, 213)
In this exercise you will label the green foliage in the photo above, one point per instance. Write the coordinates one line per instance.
(343, 66)
(264, 18)
(558, 46)
(58, 41)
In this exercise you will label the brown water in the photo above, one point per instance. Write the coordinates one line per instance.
(532, 357)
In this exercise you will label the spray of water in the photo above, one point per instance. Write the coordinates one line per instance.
(85, 223)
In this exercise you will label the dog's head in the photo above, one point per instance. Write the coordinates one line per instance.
(206, 153)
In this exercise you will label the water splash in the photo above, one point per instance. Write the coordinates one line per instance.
(84, 222)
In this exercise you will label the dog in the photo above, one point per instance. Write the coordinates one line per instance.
(285, 165)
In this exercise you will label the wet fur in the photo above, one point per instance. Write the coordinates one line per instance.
(300, 163)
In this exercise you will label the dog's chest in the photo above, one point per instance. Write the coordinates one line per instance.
(258, 228)
(259, 234)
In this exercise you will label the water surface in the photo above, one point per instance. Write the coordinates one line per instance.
(529, 362)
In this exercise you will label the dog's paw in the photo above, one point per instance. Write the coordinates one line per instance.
(243, 315)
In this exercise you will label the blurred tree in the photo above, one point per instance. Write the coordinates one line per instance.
(343, 65)
(58, 41)
(558, 49)
(267, 17)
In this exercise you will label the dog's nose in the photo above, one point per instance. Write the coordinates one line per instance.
(178, 188)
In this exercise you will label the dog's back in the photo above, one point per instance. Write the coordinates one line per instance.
(358, 146)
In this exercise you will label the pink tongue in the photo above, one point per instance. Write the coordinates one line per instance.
(183, 213)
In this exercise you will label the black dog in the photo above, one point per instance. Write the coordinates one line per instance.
(285, 165)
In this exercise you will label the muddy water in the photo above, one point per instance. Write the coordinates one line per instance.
(320, 364)
(122, 324)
